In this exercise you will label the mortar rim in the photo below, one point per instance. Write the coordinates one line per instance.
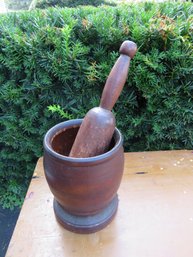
(75, 123)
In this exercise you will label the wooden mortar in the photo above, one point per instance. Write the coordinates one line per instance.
(84, 189)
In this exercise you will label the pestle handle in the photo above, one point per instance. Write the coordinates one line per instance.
(118, 75)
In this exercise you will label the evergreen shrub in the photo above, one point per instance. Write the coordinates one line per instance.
(53, 67)
(43, 4)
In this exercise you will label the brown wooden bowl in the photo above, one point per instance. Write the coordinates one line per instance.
(84, 189)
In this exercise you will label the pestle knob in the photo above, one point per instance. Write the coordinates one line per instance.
(128, 48)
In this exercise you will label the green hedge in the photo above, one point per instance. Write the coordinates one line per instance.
(62, 57)
(43, 4)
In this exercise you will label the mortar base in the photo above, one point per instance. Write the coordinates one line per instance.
(86, 224)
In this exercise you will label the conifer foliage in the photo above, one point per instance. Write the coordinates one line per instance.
(54, 64)
(43, 4)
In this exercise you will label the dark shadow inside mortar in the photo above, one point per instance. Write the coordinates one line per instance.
(63, 140)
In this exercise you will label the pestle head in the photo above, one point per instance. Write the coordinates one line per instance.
(128, 48)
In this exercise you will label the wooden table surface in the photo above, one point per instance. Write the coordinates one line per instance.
(154, 218)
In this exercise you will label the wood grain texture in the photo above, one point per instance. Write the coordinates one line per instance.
(154, 218)
(95, 133)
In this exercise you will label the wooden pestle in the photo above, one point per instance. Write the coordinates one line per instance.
(97, 128)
